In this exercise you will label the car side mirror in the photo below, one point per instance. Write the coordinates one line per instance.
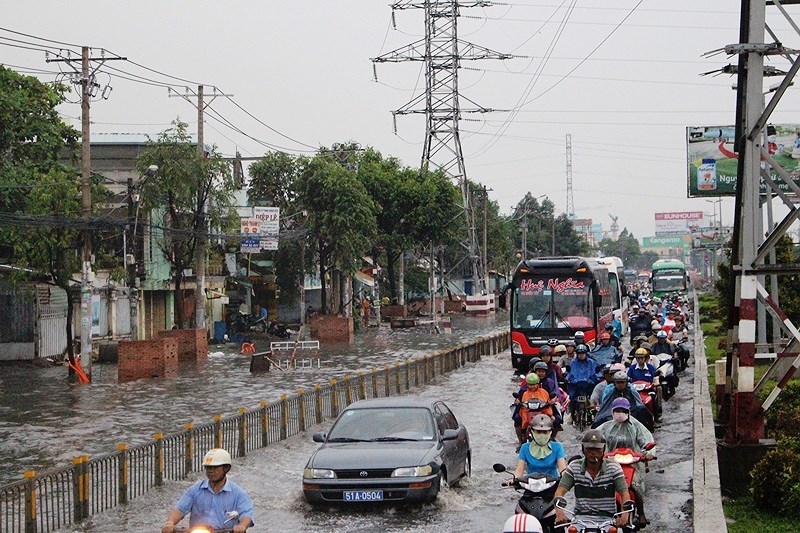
(319, 437)
(450, 434)
(499, 467)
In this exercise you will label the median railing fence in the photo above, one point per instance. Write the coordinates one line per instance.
(55, 499)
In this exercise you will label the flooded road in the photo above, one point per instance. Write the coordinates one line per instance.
(479, 395)
(45, 421)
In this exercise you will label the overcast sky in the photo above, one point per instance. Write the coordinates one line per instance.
(303, 67)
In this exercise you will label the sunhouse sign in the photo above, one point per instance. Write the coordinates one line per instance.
(712, 163)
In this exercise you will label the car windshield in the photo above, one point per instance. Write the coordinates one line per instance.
(552, 302)
(383, 424)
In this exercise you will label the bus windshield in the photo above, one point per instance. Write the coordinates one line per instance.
(552, 303)
(668, 283)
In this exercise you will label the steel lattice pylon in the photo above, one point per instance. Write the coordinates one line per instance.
(442, 51)
(739, 406)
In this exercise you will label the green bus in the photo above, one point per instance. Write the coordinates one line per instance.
(668, 276)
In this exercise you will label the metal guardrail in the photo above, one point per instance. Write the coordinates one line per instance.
(51, 500)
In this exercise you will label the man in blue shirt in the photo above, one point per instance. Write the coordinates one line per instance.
(641, 370)
(216, 501)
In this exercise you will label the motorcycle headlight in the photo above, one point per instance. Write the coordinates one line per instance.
(318, 473)
(413, 471)
(516, 348)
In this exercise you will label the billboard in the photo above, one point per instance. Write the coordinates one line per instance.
(677, 222)
(712, 164)
(260, 232)
(664, 242)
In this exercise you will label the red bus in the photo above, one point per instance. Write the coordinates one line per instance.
(553, 298)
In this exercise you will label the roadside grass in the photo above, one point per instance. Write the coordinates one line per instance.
(743, 517)
(742, 514)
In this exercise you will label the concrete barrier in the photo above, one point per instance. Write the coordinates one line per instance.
(706, 493)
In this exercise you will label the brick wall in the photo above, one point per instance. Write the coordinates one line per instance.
(394, 310)
(331, 328)
(147, 359)
(192, 343)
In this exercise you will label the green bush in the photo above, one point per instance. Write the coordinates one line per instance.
(775, 483)
(783, 417)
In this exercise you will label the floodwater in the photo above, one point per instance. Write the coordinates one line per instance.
(45, 420)
(479, 395)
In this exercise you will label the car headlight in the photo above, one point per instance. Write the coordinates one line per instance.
(413, 471)
(318, 473)
(516, 348)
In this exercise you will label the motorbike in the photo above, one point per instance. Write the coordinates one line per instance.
(202, 529)
(669, 379)
(535, 407)
(627, 459)
(246, 322)
(582, 413)
(278, 330)
(683, 351)
(647, 393)
(579, 524)
(535, 510)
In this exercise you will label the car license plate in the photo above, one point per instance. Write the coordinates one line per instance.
(363, 495)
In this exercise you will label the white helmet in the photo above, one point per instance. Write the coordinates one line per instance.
(522, 523)
(217, 457)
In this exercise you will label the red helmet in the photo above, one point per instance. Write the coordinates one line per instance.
(605, 336)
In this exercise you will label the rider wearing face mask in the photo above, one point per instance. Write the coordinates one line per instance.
(541, 454)
(624, 431)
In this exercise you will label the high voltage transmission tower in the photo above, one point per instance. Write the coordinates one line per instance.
(741, 408)
(570, 197)
(442, 52)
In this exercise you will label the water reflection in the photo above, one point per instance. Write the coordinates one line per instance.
(45, 421)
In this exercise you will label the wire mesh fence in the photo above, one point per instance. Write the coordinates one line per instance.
(51, 500)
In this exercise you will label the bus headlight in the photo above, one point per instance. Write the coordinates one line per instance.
(516, 348)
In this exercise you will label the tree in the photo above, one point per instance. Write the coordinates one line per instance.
(626, 247)
(36, 183)
(188, 196)
(341, 214)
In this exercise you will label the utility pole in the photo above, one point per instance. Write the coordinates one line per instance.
(570, 197)
(85, 78)
(740, 409)
(202, 205)
(485, 239)
(443, 53)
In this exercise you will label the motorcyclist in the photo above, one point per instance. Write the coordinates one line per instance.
(639, 323)
(642, 370)
(608, 378)
(662, 345)
(655, 327)
(605, 353)
(679, 330)
(548, 382)
(563, 354)
(609, 328)
(636, 343)
(535, 391)
(582, 377)
(215, 501)
(621, 388)
(540, 454)
(596, 480)
(546, 356)
(624, 431)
